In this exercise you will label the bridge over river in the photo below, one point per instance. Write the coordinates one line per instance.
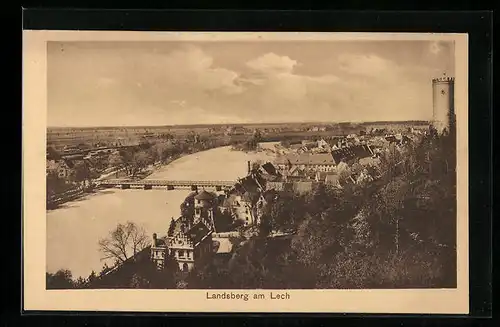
(148, 184)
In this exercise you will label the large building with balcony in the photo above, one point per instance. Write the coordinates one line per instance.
(190, 241)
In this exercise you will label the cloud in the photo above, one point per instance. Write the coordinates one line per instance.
(190, 114)
(173, 83)
(366, 65)
(192, 65)
(366, 87)
(437, 47)
(324, 79)
(181, 103)
(104, 82)
(373, 86)
(271, 63)
(278, 84)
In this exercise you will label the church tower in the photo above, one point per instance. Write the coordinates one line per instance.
(443, 103)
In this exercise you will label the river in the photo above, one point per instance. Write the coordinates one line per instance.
(74, 229)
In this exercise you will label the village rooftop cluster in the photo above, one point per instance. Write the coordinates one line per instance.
(208, 219)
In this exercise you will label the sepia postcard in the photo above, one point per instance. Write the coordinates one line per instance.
(245, 172)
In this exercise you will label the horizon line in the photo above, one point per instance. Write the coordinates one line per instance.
(248, 123)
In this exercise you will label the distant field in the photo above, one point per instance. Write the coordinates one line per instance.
(179, 128)
(61, 136)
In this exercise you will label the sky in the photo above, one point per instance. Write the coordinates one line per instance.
(224, 82)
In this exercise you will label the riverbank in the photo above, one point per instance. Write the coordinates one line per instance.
(223, 163)
(216, 157)
(74, 229)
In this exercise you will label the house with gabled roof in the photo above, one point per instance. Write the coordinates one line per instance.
(307, 161)
(65, 168)
(190, 241)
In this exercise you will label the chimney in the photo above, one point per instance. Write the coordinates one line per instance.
(249, 166)
(155, 240)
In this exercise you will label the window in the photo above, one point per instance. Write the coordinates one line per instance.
(181, 253)
(185, 267)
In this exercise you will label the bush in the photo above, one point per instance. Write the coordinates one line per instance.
(411, 269)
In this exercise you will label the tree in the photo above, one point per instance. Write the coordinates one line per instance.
(55, 184)
(115, 160)
(140, 161)
(286, 212)
(138, 281)
(81, 283)
(356, 168)
(53, 154)
(257, 135)
(125, 241)
(209, 276)
(62, 279)
(161, 151)
(81, 172)
(256, 165)
(171, 228)
(260, 262)
(127, 156)
(286, 142)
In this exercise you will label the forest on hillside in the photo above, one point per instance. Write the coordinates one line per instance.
(396, 232)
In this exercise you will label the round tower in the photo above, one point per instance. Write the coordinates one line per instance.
(204, 200)
(443, 95)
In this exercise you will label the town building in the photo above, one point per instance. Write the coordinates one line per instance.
(313, 161)
(364, 177)
(351, 153)
(52, 166)
(240, 207)
(328, 178)
(322, 144)
(235, 130)
(302, 187)
(190, 241)
(64, 168)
